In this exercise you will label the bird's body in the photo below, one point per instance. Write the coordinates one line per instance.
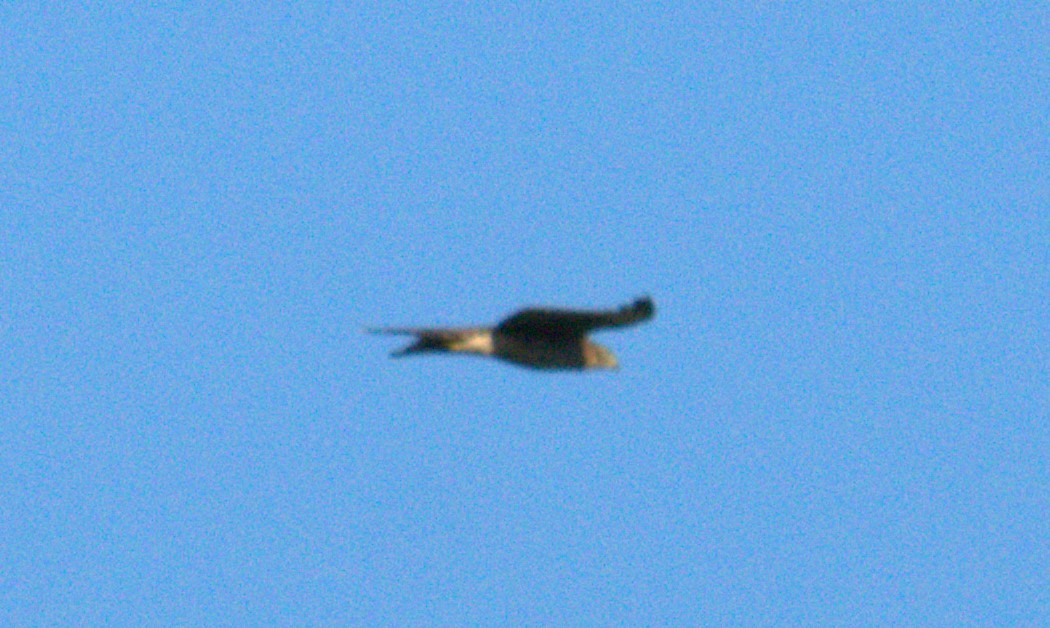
(534, 337)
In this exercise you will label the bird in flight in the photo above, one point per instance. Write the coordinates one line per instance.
(540, 338)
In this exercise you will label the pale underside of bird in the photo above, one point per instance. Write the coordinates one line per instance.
(541, 338)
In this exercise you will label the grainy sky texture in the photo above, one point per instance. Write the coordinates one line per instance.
(840, 415)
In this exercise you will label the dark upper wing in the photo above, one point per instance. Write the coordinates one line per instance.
(552, 322)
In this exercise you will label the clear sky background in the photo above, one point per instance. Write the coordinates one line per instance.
(838, 416)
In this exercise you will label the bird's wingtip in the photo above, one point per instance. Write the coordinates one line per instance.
(644, 306)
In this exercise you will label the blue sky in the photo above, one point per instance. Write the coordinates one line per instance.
(838, 416)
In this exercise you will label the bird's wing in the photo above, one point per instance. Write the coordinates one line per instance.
(574, 323)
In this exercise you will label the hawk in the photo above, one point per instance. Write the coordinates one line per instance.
(539, 338)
